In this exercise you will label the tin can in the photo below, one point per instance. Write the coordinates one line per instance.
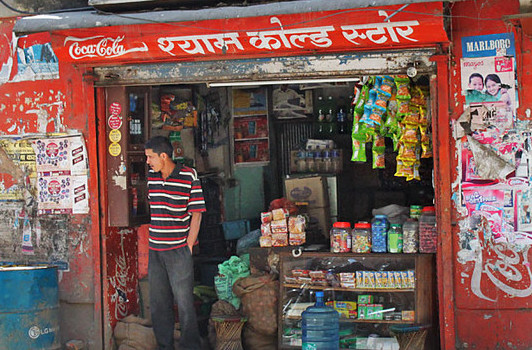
(415, 211)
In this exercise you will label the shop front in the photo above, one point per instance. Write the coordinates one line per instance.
(240, 99)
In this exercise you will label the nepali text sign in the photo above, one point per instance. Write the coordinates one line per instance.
(417, 25)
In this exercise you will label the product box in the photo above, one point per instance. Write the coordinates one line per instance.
(279, 239)
(312, 190)
(346, 309)
(365, 299)
(408, 315)
(265, 241)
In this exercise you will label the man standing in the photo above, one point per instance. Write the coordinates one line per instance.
(176, 204)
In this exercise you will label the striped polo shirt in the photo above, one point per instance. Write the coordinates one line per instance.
(172, 202)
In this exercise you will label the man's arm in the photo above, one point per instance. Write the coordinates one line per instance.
(195, 222)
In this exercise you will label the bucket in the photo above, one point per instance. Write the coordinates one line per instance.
(29, 308)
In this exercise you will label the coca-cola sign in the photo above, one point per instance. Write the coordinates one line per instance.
(100, 46)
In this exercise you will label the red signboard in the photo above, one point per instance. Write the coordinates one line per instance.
(415, 25)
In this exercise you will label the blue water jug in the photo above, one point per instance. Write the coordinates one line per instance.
(320, 326)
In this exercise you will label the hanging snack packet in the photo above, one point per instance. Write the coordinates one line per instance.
(418, 97)
(410, 134)
(414, 172)
(387, 83)
(378, 150)
(382, 98)
(403, 87)
(359, 151)
(423, 116)
(372, 96)
(376, 114)
(401, 169)
(361, 100)
(412, 117)
(403, 107)
(408, 152)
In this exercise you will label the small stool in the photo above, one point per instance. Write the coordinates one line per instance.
(228, 332)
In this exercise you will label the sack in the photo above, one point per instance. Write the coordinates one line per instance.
(134, 333)
(259, 295)
(252, 340)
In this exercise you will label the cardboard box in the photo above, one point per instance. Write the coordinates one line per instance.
(312, 190)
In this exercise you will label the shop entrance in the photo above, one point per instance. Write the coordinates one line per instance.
(246, 140)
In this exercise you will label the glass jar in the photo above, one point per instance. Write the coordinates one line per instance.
(395, 239)
(341, 237)
(427, 230)
(410, 236)
(379, 230)
(361, 238)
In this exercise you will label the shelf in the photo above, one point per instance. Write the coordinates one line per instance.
(347, 320)
(261, 114)
(252, 139)
(341, 289)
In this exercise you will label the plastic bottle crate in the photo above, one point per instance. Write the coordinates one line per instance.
(235, 229)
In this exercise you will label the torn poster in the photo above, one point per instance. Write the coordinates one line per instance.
(17, 169)
(62, 175)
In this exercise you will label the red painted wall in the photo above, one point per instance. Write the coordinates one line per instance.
(487, 311)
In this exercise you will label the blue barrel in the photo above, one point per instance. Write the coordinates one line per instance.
(29, 308)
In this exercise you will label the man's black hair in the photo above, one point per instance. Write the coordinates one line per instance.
(159, 145)
(476, 75)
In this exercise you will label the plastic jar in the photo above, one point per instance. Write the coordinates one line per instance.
(341, 237)
(410, 236)
(395, 239)
(379, 230)
(361, 238)
(428, 234)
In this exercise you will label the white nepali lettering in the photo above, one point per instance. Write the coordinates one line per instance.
(106, 47)
(380, 29)
(197, 44)
(274, 39)
(372, 30)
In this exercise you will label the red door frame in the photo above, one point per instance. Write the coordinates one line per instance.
(443, 192)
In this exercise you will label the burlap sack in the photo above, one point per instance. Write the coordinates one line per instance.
(134, 333)
(259, 295)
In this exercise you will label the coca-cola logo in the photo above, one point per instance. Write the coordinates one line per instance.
(100, 46)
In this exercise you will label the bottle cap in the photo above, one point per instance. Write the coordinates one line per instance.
(319, 294)
(342, 224)
(381, 216)
(362, 225)
(428, 209)
(396, 225)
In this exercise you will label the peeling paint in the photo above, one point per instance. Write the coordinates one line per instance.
(120, 181)
(487, 317)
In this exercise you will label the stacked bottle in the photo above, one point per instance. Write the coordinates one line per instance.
(379, 230)
(361, 238)
(320, 326)
(427, 230)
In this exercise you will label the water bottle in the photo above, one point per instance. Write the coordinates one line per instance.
(320, 326)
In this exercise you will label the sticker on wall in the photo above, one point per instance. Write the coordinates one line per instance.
(115, 149)
(115, 122)
(115, 136)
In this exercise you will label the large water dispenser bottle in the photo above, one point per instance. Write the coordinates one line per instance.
(320, 326)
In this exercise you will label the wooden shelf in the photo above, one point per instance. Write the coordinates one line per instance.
(341, 289)
(348, 320)
(251, 139)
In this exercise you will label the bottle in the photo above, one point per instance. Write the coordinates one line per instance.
(301, 162)
(395, 239)
(341, 237)
(320, 326)
(361, 238)
(410, 236)
(311, 165)
(428, 235)
(321, 105)
(318, 160)
(336, 161)
(341, 121)
(379, 230)
(327, 161)
(415, 211)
